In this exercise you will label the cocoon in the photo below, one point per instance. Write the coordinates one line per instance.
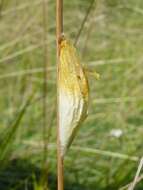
(73, 95)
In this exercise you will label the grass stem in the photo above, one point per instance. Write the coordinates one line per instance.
(59, 31)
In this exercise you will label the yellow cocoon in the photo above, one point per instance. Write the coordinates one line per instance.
(73, 95)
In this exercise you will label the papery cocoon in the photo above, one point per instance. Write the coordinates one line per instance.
(73, 95)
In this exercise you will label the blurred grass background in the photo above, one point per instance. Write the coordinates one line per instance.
(107, 149)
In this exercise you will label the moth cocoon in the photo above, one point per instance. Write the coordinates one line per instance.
(73, 95)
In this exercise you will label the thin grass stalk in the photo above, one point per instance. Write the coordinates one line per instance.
(8, 137)
(84, 21)
(59, 31)
(133, 184)
(128, 185)
(44, 181)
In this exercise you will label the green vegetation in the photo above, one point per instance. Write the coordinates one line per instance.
(112, 43)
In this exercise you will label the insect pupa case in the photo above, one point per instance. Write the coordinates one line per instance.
(73, 95)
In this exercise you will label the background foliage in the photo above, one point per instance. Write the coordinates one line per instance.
(111, 42)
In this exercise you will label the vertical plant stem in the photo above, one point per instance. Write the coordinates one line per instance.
(45, 123)
(59, 31)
